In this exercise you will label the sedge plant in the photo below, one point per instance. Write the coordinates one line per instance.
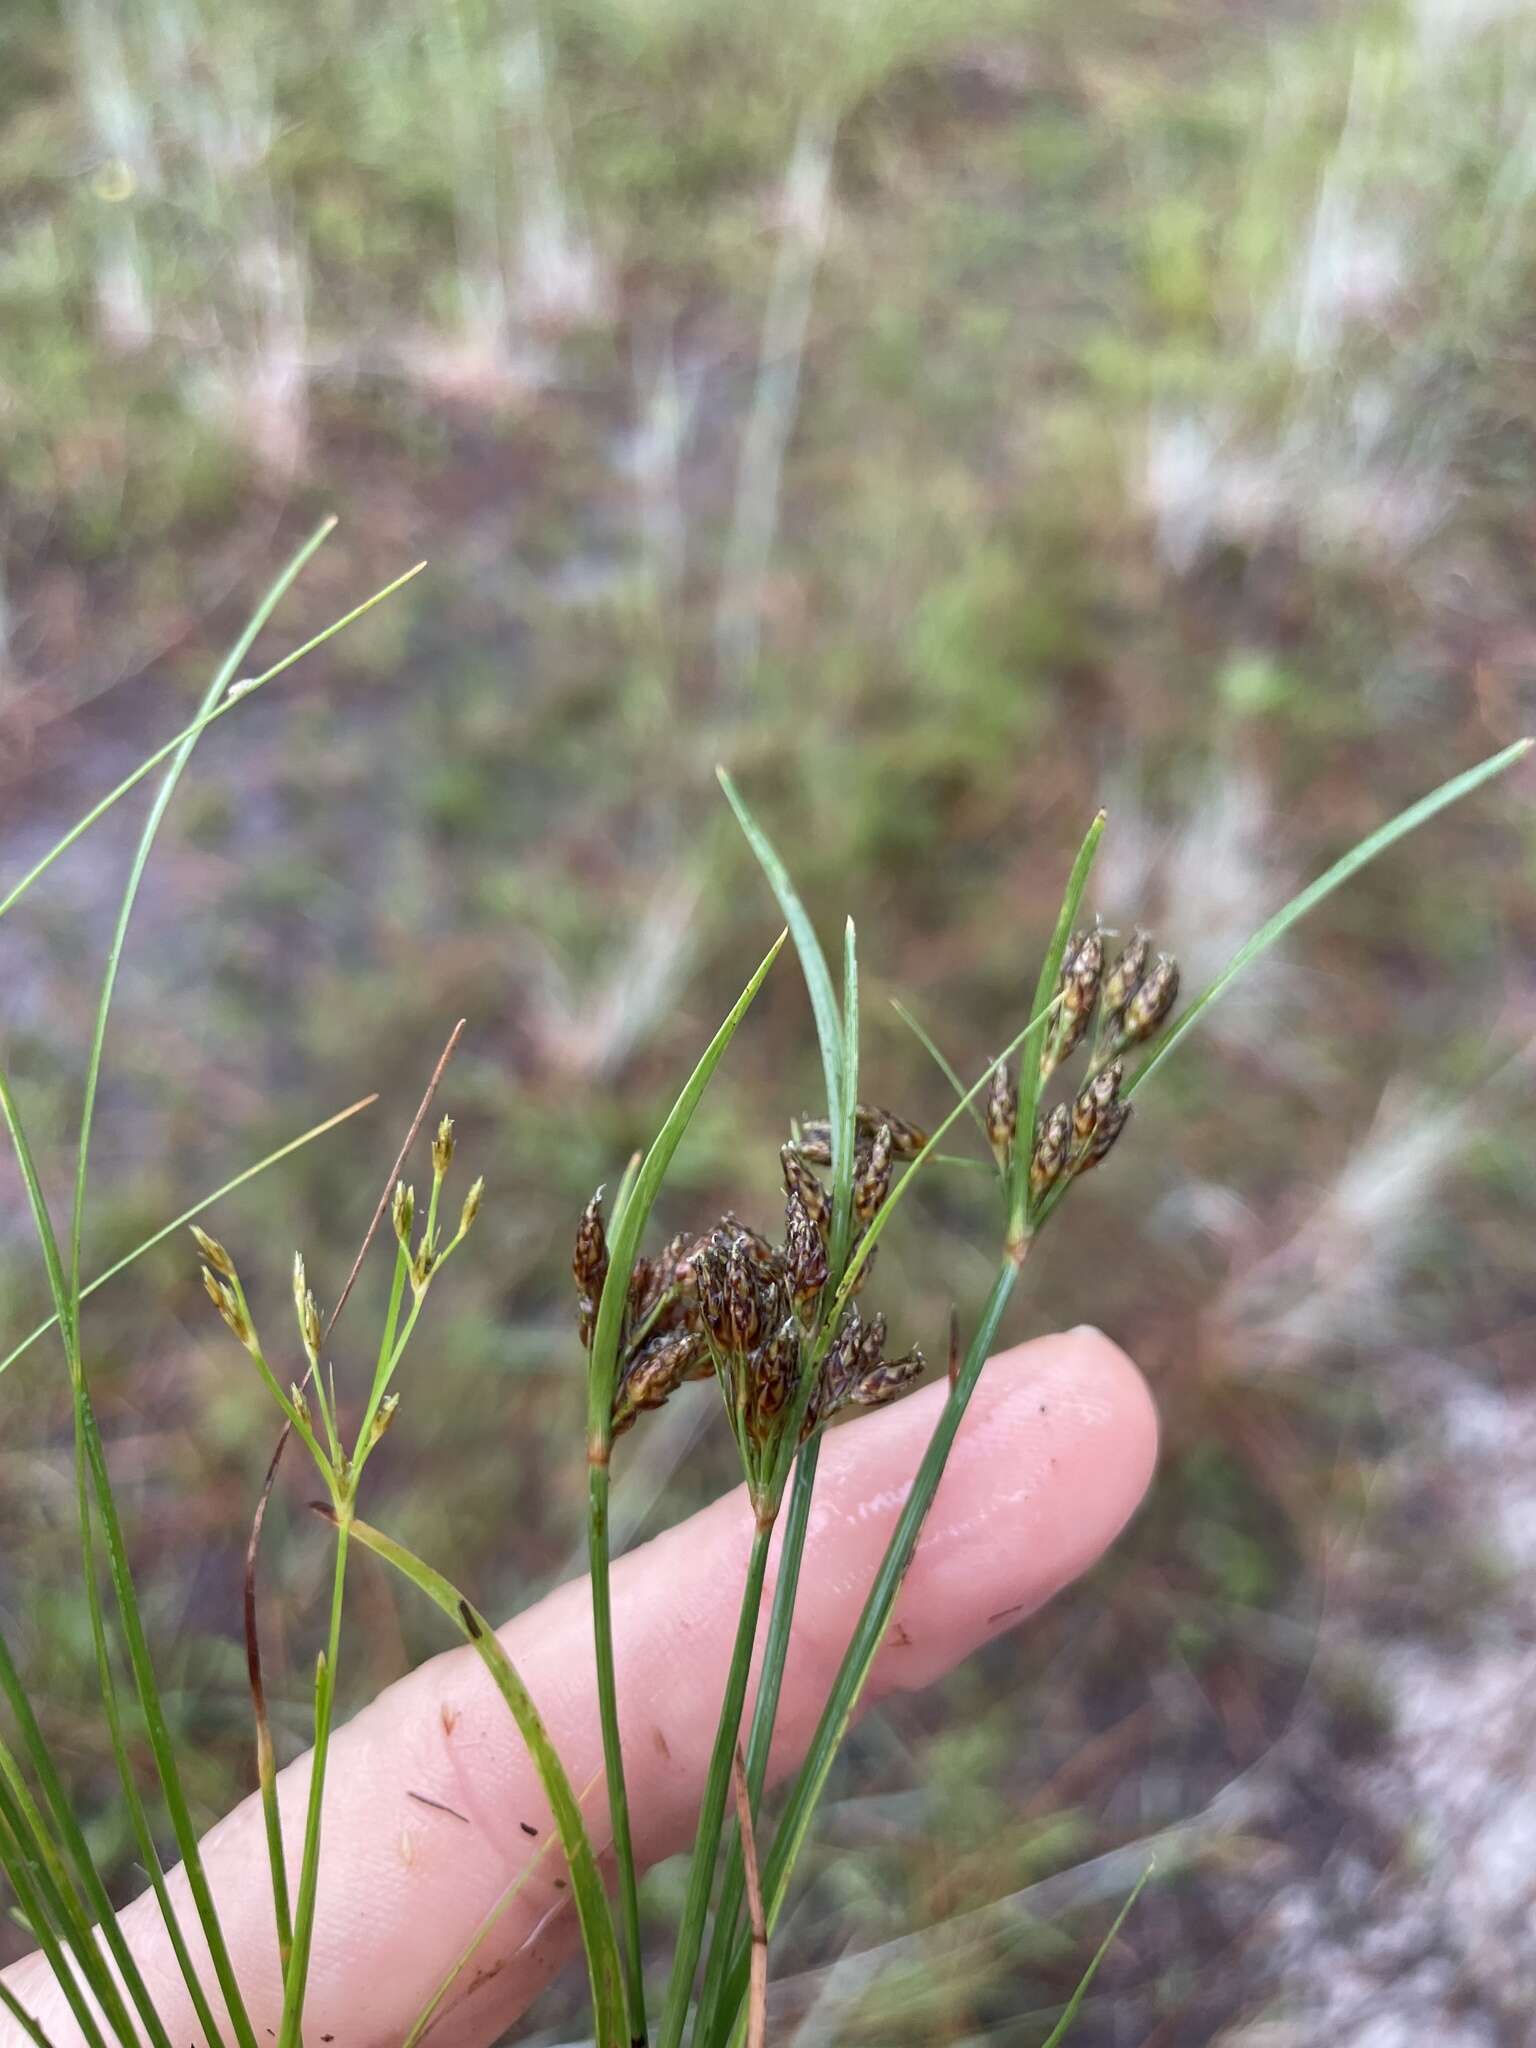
(779, 1325)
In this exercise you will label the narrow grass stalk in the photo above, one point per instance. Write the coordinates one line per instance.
(33, 1855)
(843, 1130)
(765, 1710)
(466, 1955)
(72, 1836)
(296, 1977)
(613, 1752)
(629, 1222)
(701, 1870)
(603, 1965)
(930, 1046)
(1058, 2033)
(29, 2026)
(21, 1870)
(794, 1825)
(266, 1756)
(193, 731)
(198, 1208)
(90, 1463)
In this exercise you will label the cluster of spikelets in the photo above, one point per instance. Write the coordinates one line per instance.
(1125, 1005)
(732, 1306)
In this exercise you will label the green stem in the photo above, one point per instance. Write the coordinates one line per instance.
(760, 1738)
(613, 1751)
(16, 1867)
(295, 1981)
(701, 1874)
(873, 1622)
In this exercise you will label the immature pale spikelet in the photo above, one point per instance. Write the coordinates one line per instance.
(225, 1299)
(471, 1208)
(1002, 1112)
(307, 1311)
(442, 1148)
(1050, 1150)
(215, 1254)
(872, 1179)
(380, 1425)
(402, 1212)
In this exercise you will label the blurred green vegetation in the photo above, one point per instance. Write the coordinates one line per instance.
(953, 416)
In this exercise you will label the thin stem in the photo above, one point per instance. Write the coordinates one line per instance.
(613, 1750)
(295, 1980)
(760, 1738)
(690, 1933)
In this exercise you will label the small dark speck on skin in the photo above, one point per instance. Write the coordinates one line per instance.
(528, 1827)
(450, 1717)
(1003, 1613)
(559, 1884)
(1042, 1407)
(900, 1637)
(661, 1744)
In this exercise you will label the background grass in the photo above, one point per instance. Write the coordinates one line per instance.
(952, 417)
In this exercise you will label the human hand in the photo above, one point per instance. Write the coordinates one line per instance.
(432, 1806)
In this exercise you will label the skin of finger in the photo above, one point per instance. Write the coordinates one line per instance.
(433, 1808)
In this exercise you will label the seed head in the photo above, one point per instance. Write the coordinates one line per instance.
(906, 1139)
(1100, 1095)
(1050, 1150)
(872, 1178)
(300, 1401)
(1002, 1112)
(744, 1297)
(215, 1254)
(805, 1255)
(1110, 1125)
(227, 1302)
(442, 1148)
(1082, 967)
(799, 1180)
(589, 1261)
(471, 1208)
(380, 1425)
(888, 1380)
(308, 1312)
(657, 1370)
(402, 1212)
(1152, 1001)
(815, 1143)
(1125, 976)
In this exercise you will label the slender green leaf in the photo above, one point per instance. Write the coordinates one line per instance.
(1058, 2033)
(586, 1881)
(236, 696)
(24, 2019)
(198, 1208)
(296, 1976)
(1029, 1069)
(931, 1048)
(624, 1240)
(706, 1844)
(72, 1836)
(1375, 843)
(844, 1130)
(813, 962)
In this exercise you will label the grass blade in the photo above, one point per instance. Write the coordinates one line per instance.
(1029, 1069)
(23, 2019)
(1059, 2031)
(931, 1048)
(629, 1222)
(193, 731)
(586, 1881)
(198, 1208)
(843, 1130)
(1352, 862)
(813, 962)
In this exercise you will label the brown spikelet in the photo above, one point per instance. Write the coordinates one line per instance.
(799, 1180)
(1125, 975)
(872, 1177)
(888, 1380)
(589, 1260)
(1153, 1000)
(1002, 1112)
(1050, 1150)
